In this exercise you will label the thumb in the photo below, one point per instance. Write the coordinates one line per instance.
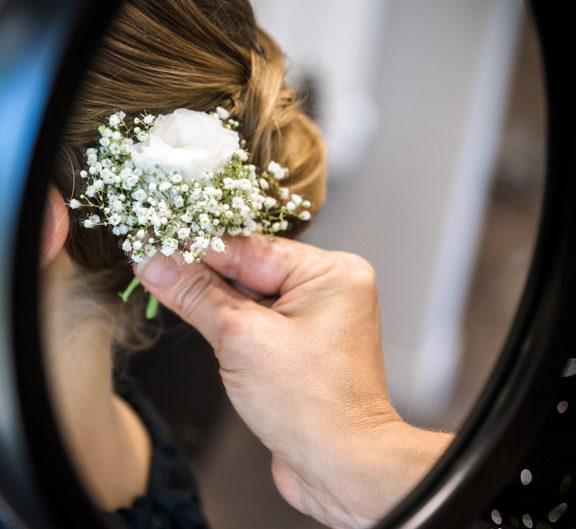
(196, 293)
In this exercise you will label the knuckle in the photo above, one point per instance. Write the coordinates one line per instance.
(357, 270)
(229, 328)
(189, 293)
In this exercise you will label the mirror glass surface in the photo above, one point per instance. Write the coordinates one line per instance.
(433, 116)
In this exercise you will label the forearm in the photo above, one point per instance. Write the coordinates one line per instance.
(352, 482)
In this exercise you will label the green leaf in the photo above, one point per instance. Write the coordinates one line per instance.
(514, 521)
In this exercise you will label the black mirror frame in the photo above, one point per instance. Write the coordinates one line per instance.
(504, 421)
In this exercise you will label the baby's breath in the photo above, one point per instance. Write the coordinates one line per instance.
(160, 211)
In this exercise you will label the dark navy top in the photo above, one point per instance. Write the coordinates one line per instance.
(171, 500)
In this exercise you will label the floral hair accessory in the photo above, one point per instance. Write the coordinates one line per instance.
(176, 183)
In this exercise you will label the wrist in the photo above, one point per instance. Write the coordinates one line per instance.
(352, 480)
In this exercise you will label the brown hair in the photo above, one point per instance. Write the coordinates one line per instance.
(160, 55)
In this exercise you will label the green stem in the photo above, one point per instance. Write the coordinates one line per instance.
(131, 287)
(152, 308)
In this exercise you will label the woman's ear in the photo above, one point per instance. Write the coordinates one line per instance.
(55, 229)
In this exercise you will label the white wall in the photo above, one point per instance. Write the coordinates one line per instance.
(436, 73)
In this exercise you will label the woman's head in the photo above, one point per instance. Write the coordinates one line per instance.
(160, 55)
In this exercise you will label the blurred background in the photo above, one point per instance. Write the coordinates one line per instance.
(434, 119)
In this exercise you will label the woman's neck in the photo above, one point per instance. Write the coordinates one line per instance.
(107, 441)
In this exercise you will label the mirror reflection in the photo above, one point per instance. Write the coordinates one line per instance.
(432, 117)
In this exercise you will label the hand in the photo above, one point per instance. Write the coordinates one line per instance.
(305, 374)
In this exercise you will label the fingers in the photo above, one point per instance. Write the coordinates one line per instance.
(197, 294)
(265, 266)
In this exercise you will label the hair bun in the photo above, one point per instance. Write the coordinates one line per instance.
(275, 126)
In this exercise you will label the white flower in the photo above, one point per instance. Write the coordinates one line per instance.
(139, 195)
(183, 233)
(201, 243)
(104, 142)
(217, 244)
(204, 220)
(229, 183)
(242, 155)
(187, 142)
(91, 221)
(115, 219)
(245, 184)
(108, 177)
(114, 120)
(223, 114)
(151, 251)
(277, 171)
(264, 184)
(187, 183)
(169, 246)
(116, 206)
(238, 203)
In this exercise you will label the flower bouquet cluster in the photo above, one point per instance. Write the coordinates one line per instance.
(178, 183)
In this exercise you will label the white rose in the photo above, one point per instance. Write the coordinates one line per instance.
(186, 142)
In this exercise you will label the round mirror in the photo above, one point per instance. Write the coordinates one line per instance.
(433, 118)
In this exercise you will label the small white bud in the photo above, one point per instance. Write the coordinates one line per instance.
(223, 114)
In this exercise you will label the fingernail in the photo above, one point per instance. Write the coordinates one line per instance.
(158, 272)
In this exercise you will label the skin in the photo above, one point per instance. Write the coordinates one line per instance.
(304, 371)
(298, 341)
(107, 441)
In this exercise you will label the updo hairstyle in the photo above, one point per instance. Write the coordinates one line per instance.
(160, 55)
